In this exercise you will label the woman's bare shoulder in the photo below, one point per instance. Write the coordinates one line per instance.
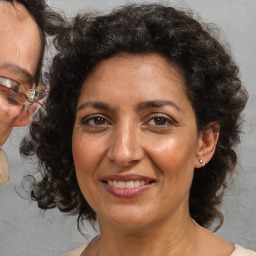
(211, 244)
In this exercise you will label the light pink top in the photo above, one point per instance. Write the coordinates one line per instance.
(239, 251)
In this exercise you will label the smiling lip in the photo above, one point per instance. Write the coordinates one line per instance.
(127, 186)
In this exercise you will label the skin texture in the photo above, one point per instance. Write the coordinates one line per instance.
(19, 54)
(125, 136)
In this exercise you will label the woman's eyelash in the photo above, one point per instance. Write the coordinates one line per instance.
(157, 120)
(161, 120)
(95, 120)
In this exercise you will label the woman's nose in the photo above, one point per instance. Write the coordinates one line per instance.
(125, 146)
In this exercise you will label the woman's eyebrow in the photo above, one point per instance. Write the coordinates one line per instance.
(157, 104)
(95, 104)
(140, 106)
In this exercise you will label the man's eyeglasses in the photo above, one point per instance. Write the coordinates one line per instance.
(16, 93)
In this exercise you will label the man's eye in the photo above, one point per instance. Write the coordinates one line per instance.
(16, 93)
(11, 91)
(9, 84)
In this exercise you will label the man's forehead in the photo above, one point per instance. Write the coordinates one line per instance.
(20, 39)
(15, 10)
(15, 17)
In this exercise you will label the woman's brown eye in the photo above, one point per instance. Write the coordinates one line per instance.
(160, 120)
(95, 120)
(98, 120)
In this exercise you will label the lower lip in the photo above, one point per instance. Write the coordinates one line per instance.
(127, 192)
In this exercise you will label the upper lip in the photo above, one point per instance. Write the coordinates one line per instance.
(127, 177)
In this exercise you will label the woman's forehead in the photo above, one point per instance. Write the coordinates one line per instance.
(141, 65)
(134, 79)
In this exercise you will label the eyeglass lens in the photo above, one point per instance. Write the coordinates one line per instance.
(14, 92)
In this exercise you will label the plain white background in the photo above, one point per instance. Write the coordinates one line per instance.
(27, 231)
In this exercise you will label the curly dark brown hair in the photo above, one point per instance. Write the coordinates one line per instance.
(212, 86)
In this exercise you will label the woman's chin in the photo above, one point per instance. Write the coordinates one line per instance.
(127, 219)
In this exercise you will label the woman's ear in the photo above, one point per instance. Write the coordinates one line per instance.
(207, 144)
(25, 115)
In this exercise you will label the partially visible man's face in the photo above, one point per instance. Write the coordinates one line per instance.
(20, 46)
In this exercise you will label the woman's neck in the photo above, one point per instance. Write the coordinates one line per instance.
(168, 239)
(185, 238)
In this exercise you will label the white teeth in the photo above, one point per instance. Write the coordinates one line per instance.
(137, 183)
(126, 184)
(129, 184)
(121, 184)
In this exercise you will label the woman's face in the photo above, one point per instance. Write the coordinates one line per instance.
(135, 141)
(20, 46)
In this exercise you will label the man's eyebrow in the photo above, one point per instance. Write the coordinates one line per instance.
(157, 104)
(16, 68)
(95, 104)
